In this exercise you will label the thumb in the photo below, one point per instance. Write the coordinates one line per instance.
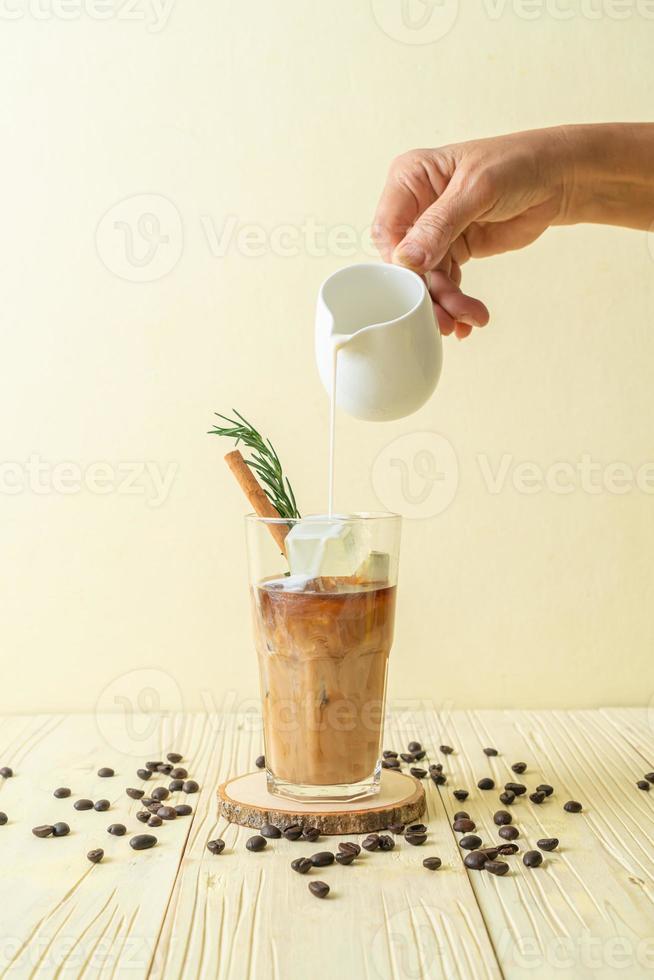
(428, 240)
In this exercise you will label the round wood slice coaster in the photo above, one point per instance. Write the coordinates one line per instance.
(245, 800)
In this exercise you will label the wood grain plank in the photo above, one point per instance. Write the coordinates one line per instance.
(243, 915)
(589, 909)
(61, 915)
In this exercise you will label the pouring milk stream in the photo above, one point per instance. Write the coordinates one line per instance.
(379, 355)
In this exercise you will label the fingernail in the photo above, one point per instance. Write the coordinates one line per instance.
(410, 254)
(464, 318)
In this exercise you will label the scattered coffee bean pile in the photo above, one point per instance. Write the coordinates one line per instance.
(155, 812)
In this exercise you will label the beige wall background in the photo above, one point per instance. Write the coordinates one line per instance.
(177, 180)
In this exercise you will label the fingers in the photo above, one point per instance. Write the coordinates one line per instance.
(460, 311)
(438, 226)
(414, 181)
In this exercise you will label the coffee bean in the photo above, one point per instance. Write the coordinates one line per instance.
(117, 829)
(507, 797)
(319, 888)
(537, 797)
(6, 772)
(432, 863)
(407, 757)
(548, 843)
(390, 763)
(160, 793)
(216, 846)
(153, 766)
(174, 757)
(61, 793)
(502, 817)
(414, 747)
(436, 767)
(165, 769)
(293, 832)
(143, 773)
(509, 848)
(154, 807)
(461, 815)
(322, 859)
(416, 828)
(179, 773)
(96, 855)
(301, 865)
(60, 829)
(418, 773)
(438, 778)
(464, 826)
(386, 842)
(190, 786)
(532, 859)
(349, 847)
(143, 816)
(446, 749)
(101, 805)
(496, 867)
(491, 852)
(167, 813)
(155, 820)
(183, 810)
(3, 818)
(519, 767)
(490, 752)
(311, 834)
(344, 857)
(419, 755)
(371, 842)
(260, 762)
(256, 843)
(649, 776)
(470, 842)
(135, 794)
(643, 784)
(545, 788)
(486, 783)
(509, 833)
(572, 806)
(475, 860)
(106, 772)
(516, 788)
(460, 795)
(269, 830)
(141, 842)
(396, 828)
(175, 785)
(389, 754)
(83, 805)
(44, 830)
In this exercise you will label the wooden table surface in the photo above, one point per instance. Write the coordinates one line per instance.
(179, 911)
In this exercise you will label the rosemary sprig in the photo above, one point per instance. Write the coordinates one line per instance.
(264, 461)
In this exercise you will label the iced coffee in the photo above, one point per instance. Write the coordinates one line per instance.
(323, 644)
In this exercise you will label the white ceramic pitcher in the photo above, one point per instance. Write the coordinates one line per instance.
(391, 354)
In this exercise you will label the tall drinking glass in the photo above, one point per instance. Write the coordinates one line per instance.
(323, 603)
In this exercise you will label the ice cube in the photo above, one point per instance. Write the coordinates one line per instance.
(375, 568)
(316, 548)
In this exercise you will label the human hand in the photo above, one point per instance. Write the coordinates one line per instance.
(441, 207)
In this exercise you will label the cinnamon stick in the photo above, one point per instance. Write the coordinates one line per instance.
(256, 496)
